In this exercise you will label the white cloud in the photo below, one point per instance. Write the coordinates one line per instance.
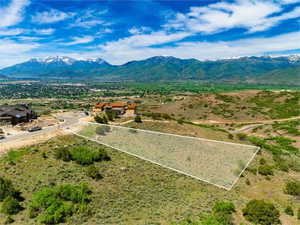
(86, 24)
(11, 32)
(289, 1)
(28, 38)
(139, 30)
(144, 40)
(79, 40)
(253, 15)
(51, 16)
(89, 18)
(12, 51)
(13, 13)
(48, 31)
(118, 52)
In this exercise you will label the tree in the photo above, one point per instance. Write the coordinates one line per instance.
(138, 119)
(100, 119)
(111, 115)
(261, 212)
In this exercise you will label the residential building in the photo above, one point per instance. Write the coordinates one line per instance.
(16, 114)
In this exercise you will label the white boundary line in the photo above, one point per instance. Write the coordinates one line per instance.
(176, 170)
(176, 135)
(140, 157)
(246, 166)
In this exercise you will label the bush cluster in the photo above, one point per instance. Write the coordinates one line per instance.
(10, 206)
(261, 212)
(101, 119)
(138, 119)
(53, 205)
(93, 172)
(83, 155)
(265, 170)
(292, 188)
(221, 215)
(289, 211)
(10, 197)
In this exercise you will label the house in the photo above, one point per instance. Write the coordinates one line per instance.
(16, 114)
(121, 108)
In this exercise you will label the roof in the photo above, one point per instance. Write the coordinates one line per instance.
(100, 105)
(118, 104)
(131, 105)
(14, 110)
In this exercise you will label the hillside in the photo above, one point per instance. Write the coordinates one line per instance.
(160, 68)
(287, 76)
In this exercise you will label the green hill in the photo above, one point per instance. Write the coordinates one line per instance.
(289, 76)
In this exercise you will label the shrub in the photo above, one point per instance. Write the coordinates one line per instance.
(248, 182)
(180, 121)
(298, 216)
(86, 156)
(100, 119)
(241, 136)
(224, 208)
(111, 115)
(102, 130)
(7, 189)
(138, 119)
(252, 170)
(63, 154)
(221, 215)
(53, 205)
(9, 220)
(93, 172)
(292, 188)
(262, 161)
(261, 212)
(10, 206)
(265, 170)
(289, 211)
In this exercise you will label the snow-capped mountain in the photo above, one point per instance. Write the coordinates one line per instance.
(294, 58)
(57, 66)
(66, 60)
(160, 68)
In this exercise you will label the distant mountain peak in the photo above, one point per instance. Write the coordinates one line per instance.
(66, 60)
(54, 59)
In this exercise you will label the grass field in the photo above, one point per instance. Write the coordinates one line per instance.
(133, 191)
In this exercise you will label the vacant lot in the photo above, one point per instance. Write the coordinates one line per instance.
(218, 163)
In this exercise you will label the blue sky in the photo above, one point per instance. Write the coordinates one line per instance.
(120, 31)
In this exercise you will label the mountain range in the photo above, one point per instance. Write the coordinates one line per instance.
(264, 69)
